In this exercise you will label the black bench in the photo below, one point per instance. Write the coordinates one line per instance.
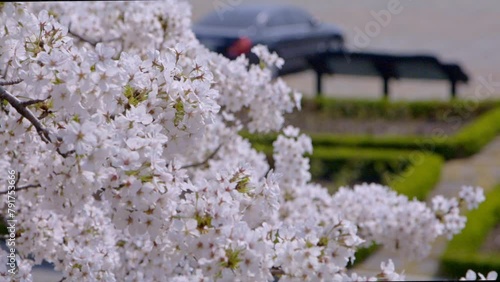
(387, 67)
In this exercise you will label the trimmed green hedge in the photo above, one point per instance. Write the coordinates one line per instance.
(362, 254)
(466, 142)
(421, 175)
(347, 166)
(412, 173)
(362, 109)
(462, 252)
(477, 134)
(421, 172)
(417, 181)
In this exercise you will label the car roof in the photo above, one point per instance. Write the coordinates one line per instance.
(245, 13)
(261, 7)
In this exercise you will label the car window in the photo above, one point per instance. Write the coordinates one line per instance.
(230, 19)
(296, 16)
(289, 17)
(277, 19)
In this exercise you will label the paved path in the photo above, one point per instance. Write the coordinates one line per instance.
(482, 169)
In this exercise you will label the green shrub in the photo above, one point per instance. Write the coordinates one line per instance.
(362, 109)
(412, 173)
(477, 134)
(348, 166)
(466, 142)
(363, 253)
(418, 180)
(462, 252)
(457, 267)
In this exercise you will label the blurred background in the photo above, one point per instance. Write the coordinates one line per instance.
(416, 145)
(462, 31)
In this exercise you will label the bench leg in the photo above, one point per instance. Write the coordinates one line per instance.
(319, 83)
(385, 89)
(453, 89)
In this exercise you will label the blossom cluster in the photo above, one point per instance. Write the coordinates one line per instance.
(472, 276)
(124, 130)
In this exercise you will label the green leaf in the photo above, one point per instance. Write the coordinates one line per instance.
(233, 259)
(179, 112)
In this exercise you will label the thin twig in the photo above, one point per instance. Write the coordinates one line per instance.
(11, 82)
(205, 161)
(64, 155)
(26, 187)
(25, 112)
(88, 40)
(79, 37)
(31, 102)
(4, 74)
(119, 53)
(18, 178)
(277, 272)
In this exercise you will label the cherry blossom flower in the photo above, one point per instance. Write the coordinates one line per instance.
(472, 276)
(144, 175)
(472, 196)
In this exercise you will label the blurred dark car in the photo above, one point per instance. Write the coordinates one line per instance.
(289, 31)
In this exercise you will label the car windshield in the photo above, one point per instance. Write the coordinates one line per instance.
(236, 18)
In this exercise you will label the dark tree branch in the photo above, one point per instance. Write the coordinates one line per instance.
(25, 112)
(32, 102)
(88, 40)
(18, 178)
(81, 38)
(205, 161)
(11, 82)
(4, 74)
(277, 272)
(26, 187)
(65, 155)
